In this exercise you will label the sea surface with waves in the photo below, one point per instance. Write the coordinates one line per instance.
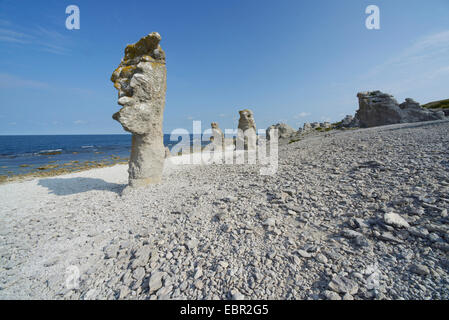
(24, 154)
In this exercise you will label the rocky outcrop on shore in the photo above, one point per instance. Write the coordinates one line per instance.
(284, 131)
(348, 122)
(377, 109)
(287, 134)
(315, 126)
(355, 215)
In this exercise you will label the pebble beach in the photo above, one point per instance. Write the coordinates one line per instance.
(349, 214)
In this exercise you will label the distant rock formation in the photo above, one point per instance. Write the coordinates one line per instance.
(167, 153)
(307, 127)
(377, 108)
(325, 125)
(314, 125)
(141, 83)
(217, 137)
(284, 131)
(247, 134)
(347, 121)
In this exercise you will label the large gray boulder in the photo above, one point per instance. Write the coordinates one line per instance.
(315, 125)
(284, 131)
(325, 125)
(377, 109)
(348, 122)
(141, 81)
(307, 127)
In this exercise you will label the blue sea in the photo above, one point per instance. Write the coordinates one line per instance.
(23, 154)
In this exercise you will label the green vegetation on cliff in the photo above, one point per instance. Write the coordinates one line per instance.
(441, 104)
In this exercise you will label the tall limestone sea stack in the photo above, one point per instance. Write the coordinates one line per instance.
(246, 135)
(217, 138)
(141, 81)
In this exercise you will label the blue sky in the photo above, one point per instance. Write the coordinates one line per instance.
(290, 61)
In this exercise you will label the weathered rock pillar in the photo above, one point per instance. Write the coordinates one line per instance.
(247, 130)
(217, 137)
(141, 81)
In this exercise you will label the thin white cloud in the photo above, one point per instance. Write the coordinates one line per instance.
(11, 81)
(80, 122)
(409, 72)
(39, 38)
(434, 40)
(12, 40)
(7, 35)
(301, 115)
(4, 22)
(51, 34)
(53, 49)
(439, 72)
(431, 49)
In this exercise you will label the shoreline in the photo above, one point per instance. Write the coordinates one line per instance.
(43, 155)
(61, 170)
(57, 170)
(52, 170)
(76, 166)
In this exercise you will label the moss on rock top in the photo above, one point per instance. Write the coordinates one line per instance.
(148, 45)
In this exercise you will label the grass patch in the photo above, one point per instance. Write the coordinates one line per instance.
(293, 141)
(442, 104)
(337, 124)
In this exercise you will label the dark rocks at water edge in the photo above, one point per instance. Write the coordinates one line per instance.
(50, 153)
